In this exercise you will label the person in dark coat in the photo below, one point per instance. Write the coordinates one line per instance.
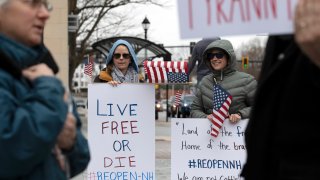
(283, 129)
(40, 132)
(196, 57)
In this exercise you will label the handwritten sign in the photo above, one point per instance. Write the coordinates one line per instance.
(207, 18)
(121, 130)
(195, 154)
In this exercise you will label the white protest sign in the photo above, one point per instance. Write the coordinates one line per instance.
(195, 154)
(121, 131)
(208, 18)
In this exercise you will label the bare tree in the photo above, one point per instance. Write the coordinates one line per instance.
(254, 50)
(97, 17)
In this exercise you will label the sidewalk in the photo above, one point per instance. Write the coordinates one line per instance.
(163, 149)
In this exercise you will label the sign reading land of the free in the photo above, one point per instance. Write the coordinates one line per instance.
(208, 18)
(195, 154)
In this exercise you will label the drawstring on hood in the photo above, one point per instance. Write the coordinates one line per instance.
(214, 80)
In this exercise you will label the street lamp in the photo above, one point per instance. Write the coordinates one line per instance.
(100, 60)
(145, 25)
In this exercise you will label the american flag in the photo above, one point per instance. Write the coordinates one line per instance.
(89, 66)
(221, 103)
(166, 71)
(177, 98)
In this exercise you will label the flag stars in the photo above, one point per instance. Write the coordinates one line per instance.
(219, 96)
(177, 77)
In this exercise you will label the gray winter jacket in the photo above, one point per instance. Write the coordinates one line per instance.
(240, 85)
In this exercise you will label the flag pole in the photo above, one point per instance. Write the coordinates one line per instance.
(178, 111)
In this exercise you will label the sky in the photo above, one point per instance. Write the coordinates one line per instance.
(164, 26)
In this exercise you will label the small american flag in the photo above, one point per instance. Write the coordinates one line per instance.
(221, 103)
(89, 66)
(177, 98)
(166, 71)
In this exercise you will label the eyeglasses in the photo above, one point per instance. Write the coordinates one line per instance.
(125, 56)
(217, 55)
(38, 3)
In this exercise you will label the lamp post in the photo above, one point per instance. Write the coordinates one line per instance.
(100, 60)
(145, 25)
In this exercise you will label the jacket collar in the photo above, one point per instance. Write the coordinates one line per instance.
(105, 75)
(9, 66)
(13, 68)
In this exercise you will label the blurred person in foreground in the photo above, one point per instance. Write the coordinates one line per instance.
(197, 58)
(122, 65)
(220, 57)
(283, 129)
(40, 135)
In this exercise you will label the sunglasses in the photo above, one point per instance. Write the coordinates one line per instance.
(217, 55)
(125, 56)
(39, 3)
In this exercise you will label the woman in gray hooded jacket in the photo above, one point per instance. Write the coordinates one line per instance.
(219, 56)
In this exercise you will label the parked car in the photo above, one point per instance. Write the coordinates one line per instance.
(172, 108)
(157, 109)
(184, 106)
(81, 105)
(163, 104)
(159, 106)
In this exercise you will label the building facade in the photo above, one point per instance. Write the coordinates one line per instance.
(56, 37)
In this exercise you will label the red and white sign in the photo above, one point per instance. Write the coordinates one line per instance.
(207, 18)
(120, 131)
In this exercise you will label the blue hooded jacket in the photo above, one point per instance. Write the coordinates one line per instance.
(131, 51)
(31, 118)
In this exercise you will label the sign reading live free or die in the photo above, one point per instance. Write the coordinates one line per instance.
(207, 18)
(121, 130)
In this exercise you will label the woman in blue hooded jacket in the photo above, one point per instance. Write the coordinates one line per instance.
(122, 65)
(39, 137)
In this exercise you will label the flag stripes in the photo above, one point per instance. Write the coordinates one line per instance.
(221, 100)
(89, 66)
(177, 98)
(166, 71)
